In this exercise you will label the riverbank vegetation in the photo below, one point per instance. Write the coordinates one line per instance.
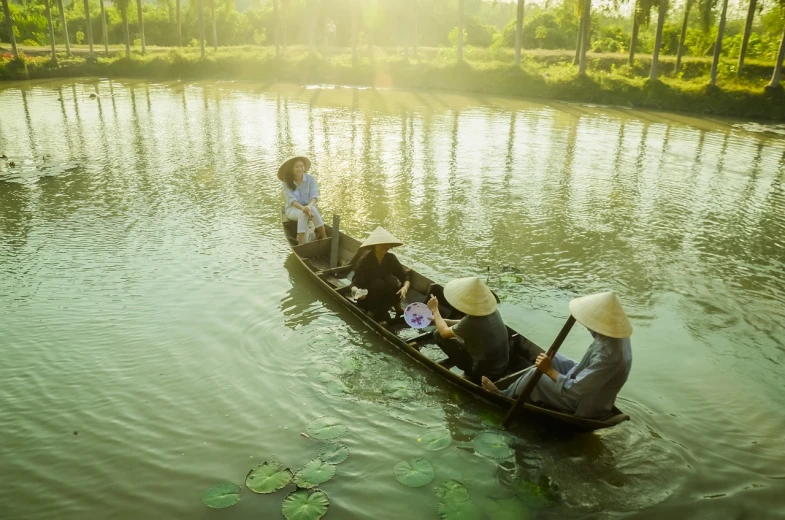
(696, 55)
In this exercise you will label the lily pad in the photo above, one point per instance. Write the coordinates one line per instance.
(464, 510)
(349, 365)
(334, 453)
(323, 372)
(506, 509)
(336, 387)
(533, 494)
(417, 472)
(452, 491)
(314, 473)
(397, 389)
(305, 505)
(493, 445)
(268, 477)
(325, 428)
(222, 495)
(435, 440)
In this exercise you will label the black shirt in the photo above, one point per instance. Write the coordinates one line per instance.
(369, 268)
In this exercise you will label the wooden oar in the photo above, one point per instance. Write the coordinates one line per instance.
(529, 388)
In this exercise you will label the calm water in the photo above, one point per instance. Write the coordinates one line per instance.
(156, 333)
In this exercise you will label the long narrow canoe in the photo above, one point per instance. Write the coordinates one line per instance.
(420, 345)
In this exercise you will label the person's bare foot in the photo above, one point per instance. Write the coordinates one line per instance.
(488, 385)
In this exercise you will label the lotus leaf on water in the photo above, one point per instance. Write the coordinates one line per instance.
(397, 390)
(462, 510)
(506, 509)
(325, 428)
(349, 365)
(305, 505)
(268, 477)
(334, 453)
(222, 495)
(493, 445)
(336, 387)
(452, 491)
(314, 473)
(323, 372)
(417, 472)
(435, 440)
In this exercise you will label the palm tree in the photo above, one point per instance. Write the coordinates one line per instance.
(10, 26)
(122, 6)
(179, 26)
(215, 28)
(746, 38)
(277, 27)
(460, 30)
(775, 77)
(718, 44)
(661, 12)
(284, 11)
(65, 28)
(103, 27)
(635, 28)
(680, 50)
(355, 14)
(586, 15)
(51, 31)
(89, 30)
(518, 32)
(200, 13)
(140, 17)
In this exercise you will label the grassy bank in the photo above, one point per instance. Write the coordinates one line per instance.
(545, 75)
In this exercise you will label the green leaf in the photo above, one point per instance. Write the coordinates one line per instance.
(506, 509)
(334, 453)
(268, 477)
(314, 473)
(465, 510)
(415, 473)
(435, 440)
(336, 387)
(222, 495)
(493, 445)
(452, 491)
(323, 372)
(305, 505)
(397, 390)
(325, 428)
(349, 365)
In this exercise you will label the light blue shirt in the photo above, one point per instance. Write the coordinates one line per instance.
(307, 190)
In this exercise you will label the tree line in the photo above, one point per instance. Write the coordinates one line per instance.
(691, 28)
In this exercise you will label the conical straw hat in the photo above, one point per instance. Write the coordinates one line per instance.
(288, 164)
(381, 236)
(470, 296)
(603, 314)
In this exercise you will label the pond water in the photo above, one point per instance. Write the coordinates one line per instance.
(157, 333)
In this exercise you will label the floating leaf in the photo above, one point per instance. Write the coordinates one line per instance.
(268, 477)
(506, 509)
(322, 372)
(464, 510)
(336, 387)
(491, 419)
(493, 445)
(334, 453)
(305, 505)
(415, 473)
(325, 428)
(349, 365)
(222, 495)
(314, 473)
(435, 440)
(533, 494)
(397, 390)
(452, 491)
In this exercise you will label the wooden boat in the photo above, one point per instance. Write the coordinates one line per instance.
(317, 256)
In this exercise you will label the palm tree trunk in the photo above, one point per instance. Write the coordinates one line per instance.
(635, 28)
(585, 41)
(680, 51)
(215, 28)
(354, 6)
(284, 10)
(718, 45)
(89, 29)
(51, 31)
(460, 30)
(103, 28)
(518, 32)
(655, 56)
(277, 28)
(141, 23)
(65, 28)
(746, 38)
(179, 26)
(10, 26)
(578, 43)
(414, 28)
(124, 14)
(200, 7)
(775, 77)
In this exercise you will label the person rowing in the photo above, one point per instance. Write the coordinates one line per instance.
(589, 388)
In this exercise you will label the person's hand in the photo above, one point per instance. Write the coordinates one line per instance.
(307, 211)
(433, 304)
(402, 292)
(543, 363)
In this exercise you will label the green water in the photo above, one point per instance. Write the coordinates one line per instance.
(156, 333)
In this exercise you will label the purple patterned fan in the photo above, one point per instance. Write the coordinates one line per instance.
(417, 315)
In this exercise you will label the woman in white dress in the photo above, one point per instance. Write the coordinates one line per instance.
(301, 193)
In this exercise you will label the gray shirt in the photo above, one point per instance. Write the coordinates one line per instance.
(485, 339)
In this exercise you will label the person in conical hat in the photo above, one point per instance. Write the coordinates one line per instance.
(589, 388)
(301, 193)
(478, 342)
(380, 274)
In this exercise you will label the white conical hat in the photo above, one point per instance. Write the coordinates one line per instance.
(603, 314)
(470, 296)
(381, 236)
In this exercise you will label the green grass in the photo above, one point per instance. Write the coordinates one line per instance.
(542, 74)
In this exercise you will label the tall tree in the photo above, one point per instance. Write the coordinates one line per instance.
(683, 35)
(746, 38)
(89, 29)
(460, 30)
(122, 6)
(140, 17)
(9, 23)
(284, 20)
(51, 30)
(718, 44)
(355, 14)
(655, 56)
(277, 31)
(414, 27)
(775, 76)
(635, 28)
(200, 13)
(586, 15)
(103, 27)
(179, 25)
(65, 28)
(518, 32)
(215, 28)
(579, 41)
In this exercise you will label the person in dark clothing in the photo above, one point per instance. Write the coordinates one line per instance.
(380, 274)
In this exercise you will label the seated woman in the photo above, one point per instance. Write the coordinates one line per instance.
(381, 274)
(301, 193)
